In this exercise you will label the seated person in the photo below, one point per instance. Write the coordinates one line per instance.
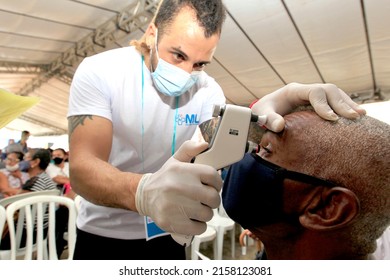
(59, 173)
(38, 160)
(59, 169)
(14, 176)
(317, 190)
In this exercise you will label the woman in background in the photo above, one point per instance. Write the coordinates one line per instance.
(38, 160)
(14, 176)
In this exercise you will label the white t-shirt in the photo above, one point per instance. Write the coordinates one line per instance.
(53, 170)
(110, 85)
(382, 251)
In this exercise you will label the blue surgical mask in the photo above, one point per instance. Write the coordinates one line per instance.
(252, 194)
(171, 80)
(24, 165)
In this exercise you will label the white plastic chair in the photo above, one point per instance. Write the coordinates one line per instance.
(5, 254)
(201, 256)
(2, 220)
(77, 201)
(34, 210)
(222, 225)
(8, 200)
(209, 235)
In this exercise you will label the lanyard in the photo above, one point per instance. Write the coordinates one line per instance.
(173, 145)
(174, 125)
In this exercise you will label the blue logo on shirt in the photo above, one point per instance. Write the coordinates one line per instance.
(188, 119)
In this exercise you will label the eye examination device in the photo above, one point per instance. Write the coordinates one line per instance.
(230, 140)
(228, 144)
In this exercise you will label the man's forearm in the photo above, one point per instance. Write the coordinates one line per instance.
(110, 187)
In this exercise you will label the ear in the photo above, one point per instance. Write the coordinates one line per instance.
(334, 208)
(150, 34)
(37, 161)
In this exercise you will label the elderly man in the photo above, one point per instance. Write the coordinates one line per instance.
(317, 190)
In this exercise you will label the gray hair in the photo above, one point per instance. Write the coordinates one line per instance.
(356, 155)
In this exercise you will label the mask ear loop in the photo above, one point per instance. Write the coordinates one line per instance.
(151, 51)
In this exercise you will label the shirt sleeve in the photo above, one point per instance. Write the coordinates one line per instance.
(88, 91)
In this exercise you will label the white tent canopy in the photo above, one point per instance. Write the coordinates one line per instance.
(378, 110)
(265, 44)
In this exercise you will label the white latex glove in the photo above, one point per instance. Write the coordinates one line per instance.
(323, 98)
(180, 196)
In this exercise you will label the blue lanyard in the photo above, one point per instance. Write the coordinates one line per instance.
(174, 125)
(142, 115)
(142, 118)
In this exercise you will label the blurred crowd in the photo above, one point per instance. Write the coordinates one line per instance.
(20, 166)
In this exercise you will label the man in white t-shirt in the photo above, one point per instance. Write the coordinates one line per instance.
(131, 111)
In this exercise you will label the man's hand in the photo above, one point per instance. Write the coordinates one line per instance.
(181, 195)
(327, 100)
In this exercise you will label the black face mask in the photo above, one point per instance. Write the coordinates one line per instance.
(252, 194)
(58, 160)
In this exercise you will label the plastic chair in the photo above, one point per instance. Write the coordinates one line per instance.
(35, 210)
(8, 200)
(221, 226)
(209, 235)
(2, 220)
(5, 254)
(77, 201)
(201, 256)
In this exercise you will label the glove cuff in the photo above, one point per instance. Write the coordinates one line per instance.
(139, 195)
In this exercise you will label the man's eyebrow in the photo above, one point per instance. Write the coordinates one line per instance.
(178, 50)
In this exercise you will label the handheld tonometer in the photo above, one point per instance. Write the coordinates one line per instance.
(228, 144)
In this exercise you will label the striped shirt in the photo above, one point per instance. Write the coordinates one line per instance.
(40, 182)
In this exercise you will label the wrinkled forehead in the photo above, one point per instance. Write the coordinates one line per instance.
(296, 141)
(296, 123)
(302, 120)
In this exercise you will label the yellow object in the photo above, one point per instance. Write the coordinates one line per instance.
(12, 106)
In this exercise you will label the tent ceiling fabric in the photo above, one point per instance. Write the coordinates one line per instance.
(264, 45)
